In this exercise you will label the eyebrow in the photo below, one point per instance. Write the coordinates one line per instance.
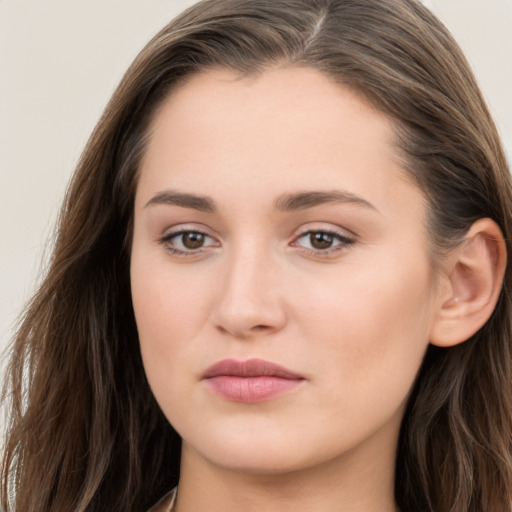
(284, 203)
(200, 203)
(304, 200)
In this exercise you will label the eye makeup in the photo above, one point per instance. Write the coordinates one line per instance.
(316, 242)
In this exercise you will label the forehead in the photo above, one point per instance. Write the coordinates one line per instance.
(283, 101)
(286, 128)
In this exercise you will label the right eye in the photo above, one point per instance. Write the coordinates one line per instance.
(186, 242)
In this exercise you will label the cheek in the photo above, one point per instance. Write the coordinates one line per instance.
(170, 310)
(371, 327)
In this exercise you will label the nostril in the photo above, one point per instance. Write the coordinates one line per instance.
(258, 328)
(242, 333)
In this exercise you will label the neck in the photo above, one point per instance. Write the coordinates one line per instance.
(345, 484)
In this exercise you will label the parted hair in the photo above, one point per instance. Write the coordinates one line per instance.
(84, 431)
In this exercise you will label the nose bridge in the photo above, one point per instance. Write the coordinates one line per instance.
(249, 299)
(248, 273)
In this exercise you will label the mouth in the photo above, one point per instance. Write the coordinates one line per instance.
(250, 381)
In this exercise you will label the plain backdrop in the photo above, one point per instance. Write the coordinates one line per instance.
(60, 62)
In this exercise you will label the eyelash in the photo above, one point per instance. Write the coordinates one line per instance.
(167, 239)
(344, 242)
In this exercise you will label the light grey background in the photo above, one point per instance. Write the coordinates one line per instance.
(60, 62)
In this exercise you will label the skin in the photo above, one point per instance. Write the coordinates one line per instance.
(353, 319)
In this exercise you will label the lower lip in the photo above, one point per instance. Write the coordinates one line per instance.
(251, 390)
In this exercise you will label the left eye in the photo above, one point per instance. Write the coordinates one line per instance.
(322, 240)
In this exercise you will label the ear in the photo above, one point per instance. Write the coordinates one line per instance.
(473, 278)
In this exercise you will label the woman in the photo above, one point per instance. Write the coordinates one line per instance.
(280, 280)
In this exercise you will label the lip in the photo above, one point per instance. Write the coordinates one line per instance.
(250, 381)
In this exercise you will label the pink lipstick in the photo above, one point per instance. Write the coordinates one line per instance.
(250, 381)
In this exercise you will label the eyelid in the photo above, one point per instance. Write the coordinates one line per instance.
(182, 229)
(346, 240)
(171, 234)
(313, 227)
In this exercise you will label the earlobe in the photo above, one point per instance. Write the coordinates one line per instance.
(474, 278)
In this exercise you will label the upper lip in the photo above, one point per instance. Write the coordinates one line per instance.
(249, 368)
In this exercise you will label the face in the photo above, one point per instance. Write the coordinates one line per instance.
(280, 272)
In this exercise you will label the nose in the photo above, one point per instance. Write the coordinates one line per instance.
(250, 301)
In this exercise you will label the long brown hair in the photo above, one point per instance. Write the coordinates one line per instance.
(85, 432)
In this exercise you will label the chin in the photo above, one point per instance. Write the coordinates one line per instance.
(256, 461)
(270, 452)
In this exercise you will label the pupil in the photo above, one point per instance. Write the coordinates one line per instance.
(193, 240)
(321, 240)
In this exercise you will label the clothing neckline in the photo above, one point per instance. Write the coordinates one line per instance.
(166, 503)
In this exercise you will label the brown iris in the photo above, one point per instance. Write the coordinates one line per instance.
(320, 240)
(192, 240)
